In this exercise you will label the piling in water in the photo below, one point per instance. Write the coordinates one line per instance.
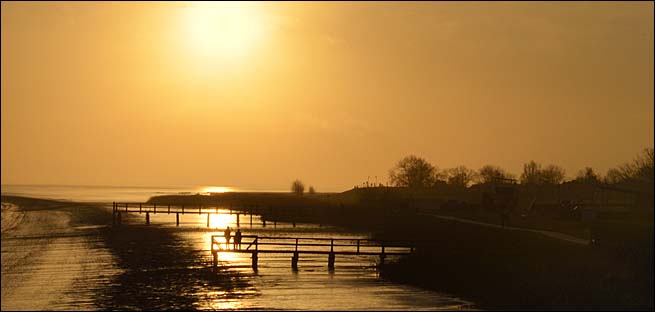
(294, 261)
(331, 261)
(254, 261)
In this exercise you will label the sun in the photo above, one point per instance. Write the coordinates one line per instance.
(223, 29)
(215, 189)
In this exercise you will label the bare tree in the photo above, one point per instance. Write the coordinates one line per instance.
(640, 170)
(461, 176)
(534, 174)
(297, 187)
(553, 174)
(613, 176)
(440, 175)
(587, 175)
(491, 173)
(530, 173)
(412, 171)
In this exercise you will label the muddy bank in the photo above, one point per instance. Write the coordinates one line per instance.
(120, 268)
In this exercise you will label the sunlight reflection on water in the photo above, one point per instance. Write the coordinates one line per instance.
(354, 284)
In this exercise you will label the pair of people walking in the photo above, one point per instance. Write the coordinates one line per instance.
(237, 238)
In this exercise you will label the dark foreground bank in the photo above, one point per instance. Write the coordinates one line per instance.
(495, 268)
(520, 270)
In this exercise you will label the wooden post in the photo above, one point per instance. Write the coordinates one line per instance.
(139, 208)
(237, 220)
(382, 256)
(182, 208)
(154, 208)
(199, 209)
(251, 219)
(254, 261)
(147, 218)
(113, 213)
(358, 246)
(332, 245)
(208, 220)
(177, 219)
(119, 218)
(296, 245)
(169, 208)
(254, 255)
(331, 261)
(294, 223)
(215, 262)
(125, 207)
(274, 224)
(263, 222)
(294, 261)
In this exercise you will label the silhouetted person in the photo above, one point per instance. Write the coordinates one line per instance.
(228, 233)
(237, 239)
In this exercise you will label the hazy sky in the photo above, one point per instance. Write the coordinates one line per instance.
(255, 95)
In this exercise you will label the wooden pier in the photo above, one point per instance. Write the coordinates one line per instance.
(146, 208)
(296, 246)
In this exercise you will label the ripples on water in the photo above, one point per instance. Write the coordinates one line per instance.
(48, 263)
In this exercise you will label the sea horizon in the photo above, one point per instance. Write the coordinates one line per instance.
(109, 193)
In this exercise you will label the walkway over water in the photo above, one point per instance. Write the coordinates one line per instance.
(254, 244)
(120, 208)
(296, 246)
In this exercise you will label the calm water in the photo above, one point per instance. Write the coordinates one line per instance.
(76, 268)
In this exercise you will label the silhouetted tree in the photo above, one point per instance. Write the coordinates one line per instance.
(530, 173)
(587, 175)
(311, 190)
(461, 176)
(440, 176)
(641, 168)
(490, 173)
(553, 175)
(613, 176)
(639, 171)
(412, 171)
(297, 187)
(533, 174)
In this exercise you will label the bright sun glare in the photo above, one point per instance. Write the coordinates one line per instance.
(216, 189)
(223, 29)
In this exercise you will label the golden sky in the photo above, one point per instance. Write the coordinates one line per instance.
(257, 94)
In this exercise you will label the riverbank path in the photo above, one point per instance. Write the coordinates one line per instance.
(551, 234)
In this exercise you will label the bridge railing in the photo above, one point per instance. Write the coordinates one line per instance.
(256, 243)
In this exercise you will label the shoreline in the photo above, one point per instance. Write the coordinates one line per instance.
(156, 270)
